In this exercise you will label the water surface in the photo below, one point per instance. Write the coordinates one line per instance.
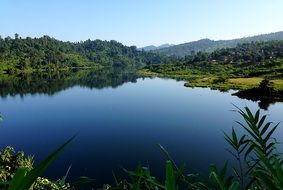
(120, 125)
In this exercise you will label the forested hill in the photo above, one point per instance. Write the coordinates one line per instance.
(45, 52)
(208, 45)
(247, 54)
(255, 59)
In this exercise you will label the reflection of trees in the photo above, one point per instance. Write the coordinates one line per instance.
(264, 104)
(265, 93)
(53, 82)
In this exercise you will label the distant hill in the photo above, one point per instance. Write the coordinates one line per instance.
(208, 45)
(152, 47)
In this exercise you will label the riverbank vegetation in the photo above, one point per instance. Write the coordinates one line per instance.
(241, 68)
(255, 150)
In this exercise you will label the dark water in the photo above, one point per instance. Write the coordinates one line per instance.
(118, 122)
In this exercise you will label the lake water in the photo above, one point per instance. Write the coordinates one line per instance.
(121, 125)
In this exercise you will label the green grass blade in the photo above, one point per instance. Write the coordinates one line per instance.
(82, 180)
(16, 182)
(264, 129)
(257, 116)
(170, 183)
(261, 121)
(234, 186)
(217, 180)
(270, 133)
(24, 182)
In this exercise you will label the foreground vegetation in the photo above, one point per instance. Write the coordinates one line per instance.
(259, 165)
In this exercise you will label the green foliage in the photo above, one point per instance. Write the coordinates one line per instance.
(25, 54)
(10, 161)
(170, 182)
(142, 179)
(260, 167)
(17, 172)
(245, 60)
(24, 178)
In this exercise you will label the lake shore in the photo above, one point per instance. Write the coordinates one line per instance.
(214, 82)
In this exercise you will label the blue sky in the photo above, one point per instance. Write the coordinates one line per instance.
(140, 22)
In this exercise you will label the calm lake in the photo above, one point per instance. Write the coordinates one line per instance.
(120, 124)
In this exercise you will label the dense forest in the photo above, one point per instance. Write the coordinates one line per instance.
(241, 67)
(218, 68)
(48, 53)
(246, 60)
(247, 53)
(207, 45)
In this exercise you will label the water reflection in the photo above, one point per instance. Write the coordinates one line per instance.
(118, 127)
(52, 82)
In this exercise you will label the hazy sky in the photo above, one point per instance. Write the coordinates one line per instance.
(140, 22)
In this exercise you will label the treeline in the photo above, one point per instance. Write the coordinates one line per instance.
(256, 59)
(207, 45)
(45, 52)
(255, 52)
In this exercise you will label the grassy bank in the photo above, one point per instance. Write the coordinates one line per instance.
(232, 83)
(198, 79)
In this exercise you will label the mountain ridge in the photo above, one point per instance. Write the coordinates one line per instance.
(208, 45)
(152, 47)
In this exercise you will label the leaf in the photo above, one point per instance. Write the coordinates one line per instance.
(63, 180)
(230, 141)
(270, 133)
(24, 182)
(263, 178)
(257, 116)
(217, 180)
(264, 129)
(261, 121)
(250, 132)
(234, 186)
(168, 155)
(279, 171)
(249, 113)
(244, 147)
(234, 136)
(170, 182)
(17, 179)
(224, 170)
(251, 147)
